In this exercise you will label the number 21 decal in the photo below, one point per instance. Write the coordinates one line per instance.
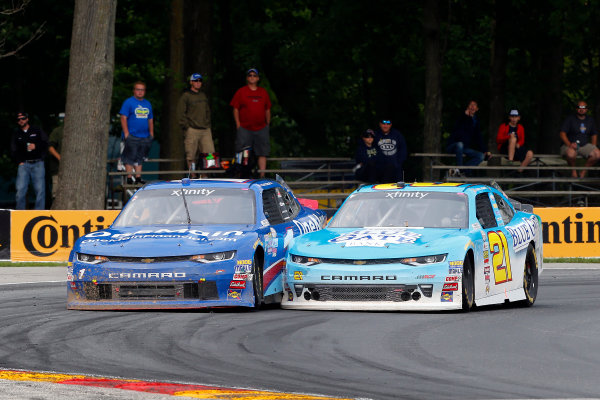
(500, 257)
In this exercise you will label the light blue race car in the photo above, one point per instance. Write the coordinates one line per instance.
(191, 244)
(419, 246)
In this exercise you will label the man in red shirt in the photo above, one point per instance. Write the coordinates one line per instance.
(252, 114)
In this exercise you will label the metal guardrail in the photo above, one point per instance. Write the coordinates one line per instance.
(330, 190)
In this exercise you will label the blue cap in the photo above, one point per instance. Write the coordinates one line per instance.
(196, 77)
(252, 70)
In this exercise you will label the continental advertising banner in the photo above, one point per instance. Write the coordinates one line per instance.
(570, 231)
(50, 235)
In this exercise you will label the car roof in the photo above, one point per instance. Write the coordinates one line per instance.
(448, 187)
(196, 183)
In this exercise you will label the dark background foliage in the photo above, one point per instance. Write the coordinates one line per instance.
(332, 68)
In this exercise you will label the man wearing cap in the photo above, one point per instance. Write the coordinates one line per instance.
(137, 122)
(29, 145)
(366, 158)
(579, 134)
(193, 115)
(511, 140)
(252, 114)
(391, 152)
(466, 138)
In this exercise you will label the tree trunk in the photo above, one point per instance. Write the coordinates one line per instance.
(82, 173)
(198, 54)
(499, 59)
(198, 40)
(172, 141)
(433, 84)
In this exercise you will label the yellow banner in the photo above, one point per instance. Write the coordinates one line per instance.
(50, 235)
(570, 231)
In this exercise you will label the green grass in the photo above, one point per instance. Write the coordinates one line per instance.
(33, 264)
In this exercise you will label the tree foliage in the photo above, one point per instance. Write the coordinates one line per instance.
(334, 68)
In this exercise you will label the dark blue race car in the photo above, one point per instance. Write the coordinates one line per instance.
(191, 244)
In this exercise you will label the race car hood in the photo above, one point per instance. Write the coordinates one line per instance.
(360, 243)
(152, 241)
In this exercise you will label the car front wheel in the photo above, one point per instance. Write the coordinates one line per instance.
(468, 285)
(257, 282)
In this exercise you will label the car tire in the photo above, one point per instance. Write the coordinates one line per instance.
(468, 285)
(257, 282)
(530, 277)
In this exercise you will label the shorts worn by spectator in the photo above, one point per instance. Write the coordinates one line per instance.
(252, 115)
(137, 122)
(257, 140)
(135, 151)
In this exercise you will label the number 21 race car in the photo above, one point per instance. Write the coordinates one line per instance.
(419, 246)
(191, 244)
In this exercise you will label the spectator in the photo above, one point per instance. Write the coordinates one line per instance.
(193, 114)
(137, 122)
(252, 114)
(366, 158)
(465, 136)
(29, 145)
(391, 149)
(54, 148)
(579, 134)
(511, 140)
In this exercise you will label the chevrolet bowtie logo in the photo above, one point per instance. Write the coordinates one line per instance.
(359, 262)
(147, 260)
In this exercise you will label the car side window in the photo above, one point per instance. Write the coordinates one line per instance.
(271, 206)
(484, 211)
(506, 210)
(290, 206)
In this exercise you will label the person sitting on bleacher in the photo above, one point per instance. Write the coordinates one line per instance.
(511, 140)
(466, 140)
(579, 134)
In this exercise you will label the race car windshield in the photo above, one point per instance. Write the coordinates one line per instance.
(403, 209)
(207, 206)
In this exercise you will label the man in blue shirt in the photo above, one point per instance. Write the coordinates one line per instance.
(137, 122)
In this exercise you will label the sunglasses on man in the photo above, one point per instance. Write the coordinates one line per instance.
(21, 118)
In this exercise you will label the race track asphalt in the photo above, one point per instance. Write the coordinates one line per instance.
(501, 352)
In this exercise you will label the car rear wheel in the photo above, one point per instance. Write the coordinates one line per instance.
(257, 282)
(530, 277)
(468, 285)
